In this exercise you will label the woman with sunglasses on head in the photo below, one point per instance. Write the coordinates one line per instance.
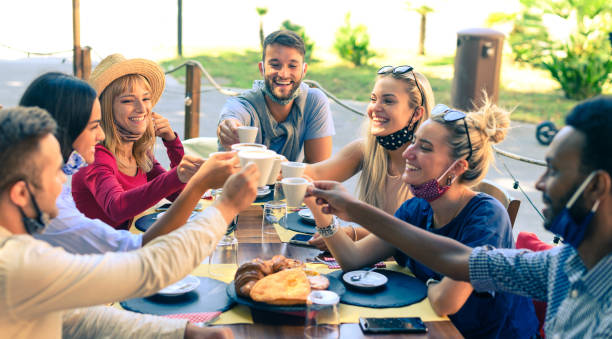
(125, 178)
(401, 99)
(452, 152)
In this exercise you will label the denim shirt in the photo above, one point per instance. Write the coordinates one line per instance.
(579, 300)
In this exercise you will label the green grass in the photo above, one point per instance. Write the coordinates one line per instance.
(530, 93)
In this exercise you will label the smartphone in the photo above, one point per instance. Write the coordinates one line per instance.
(392, 325)
(199, 207)
(301, 239)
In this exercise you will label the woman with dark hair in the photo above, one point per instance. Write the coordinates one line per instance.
(58, 92)
(75, 107)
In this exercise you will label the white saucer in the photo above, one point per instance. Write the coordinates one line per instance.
(187, 284)
(263, 192)
(371, 281)
(306, 214)
(193, 215)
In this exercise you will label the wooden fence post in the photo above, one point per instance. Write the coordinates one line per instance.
(192, 101)
(86, 62)
(76, 39)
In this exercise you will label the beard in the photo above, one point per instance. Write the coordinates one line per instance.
(282, 99)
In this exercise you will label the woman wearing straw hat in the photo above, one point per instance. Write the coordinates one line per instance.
(125, 179)
(74, 106)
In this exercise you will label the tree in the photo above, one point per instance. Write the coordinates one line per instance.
(423, 10)
(261, 11)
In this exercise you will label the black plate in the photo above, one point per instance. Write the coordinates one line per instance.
(400, 290)
(334, 285)
(298, 224)
(208, 297)
(143, 223)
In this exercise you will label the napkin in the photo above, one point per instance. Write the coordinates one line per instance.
(201, 317)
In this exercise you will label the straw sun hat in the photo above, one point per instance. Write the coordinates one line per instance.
(115, 66)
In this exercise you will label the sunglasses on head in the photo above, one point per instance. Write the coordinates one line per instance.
(451, 115)
(400, 70)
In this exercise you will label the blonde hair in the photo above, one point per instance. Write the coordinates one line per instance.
(487, 126)
(375, 165)
(143, 147)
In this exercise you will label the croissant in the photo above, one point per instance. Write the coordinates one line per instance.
(251, 272)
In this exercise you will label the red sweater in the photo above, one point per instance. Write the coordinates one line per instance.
(101, 191)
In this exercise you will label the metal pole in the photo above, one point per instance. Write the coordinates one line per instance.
(76, 39)
(86, 62)
(192, 101)
(180, 28)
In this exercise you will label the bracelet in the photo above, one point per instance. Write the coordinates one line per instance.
(330, 230)
(431, 281)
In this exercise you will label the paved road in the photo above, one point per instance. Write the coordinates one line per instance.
(16, 75)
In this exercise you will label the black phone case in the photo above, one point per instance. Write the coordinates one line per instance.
(419, 326)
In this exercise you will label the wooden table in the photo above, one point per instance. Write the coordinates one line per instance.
(252, 245)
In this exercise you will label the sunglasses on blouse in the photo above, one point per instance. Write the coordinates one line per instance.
(451, 115)
(401, 70)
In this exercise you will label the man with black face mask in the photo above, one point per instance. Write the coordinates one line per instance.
(47, 292)
(575, 279)
(288, 114)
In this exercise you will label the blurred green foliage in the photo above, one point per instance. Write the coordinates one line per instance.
(353, 43)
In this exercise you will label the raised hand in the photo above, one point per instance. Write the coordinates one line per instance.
(188, 166)
(240, 190)
(227, 132)
(218, 167)
(162, 127)
(332, 197)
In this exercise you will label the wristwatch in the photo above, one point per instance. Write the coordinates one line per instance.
(431, 281)
(330, 230)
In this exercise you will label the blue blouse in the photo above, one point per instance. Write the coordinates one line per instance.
(483, 221)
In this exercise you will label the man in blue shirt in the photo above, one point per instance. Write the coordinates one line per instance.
(288, 114)
(575, 279)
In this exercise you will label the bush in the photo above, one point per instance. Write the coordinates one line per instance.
(581, 72)
(352, 43)
(529, 38)
(308, 44)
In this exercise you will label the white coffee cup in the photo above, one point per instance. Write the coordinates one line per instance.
(264, 159)
(275, 169)
(247, 133)
(293, 169)
(248, 146)
(295, 190)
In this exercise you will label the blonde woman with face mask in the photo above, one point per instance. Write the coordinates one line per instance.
(400, 101)
(452, 152)
(125, 178)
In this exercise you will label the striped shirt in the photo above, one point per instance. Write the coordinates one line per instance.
(579, 300)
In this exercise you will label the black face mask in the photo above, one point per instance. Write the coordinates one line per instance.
(34, 226)
(397, 139)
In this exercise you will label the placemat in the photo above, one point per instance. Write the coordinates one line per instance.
(210, 296)
(400, 290)
(297, 224)
(143, 223)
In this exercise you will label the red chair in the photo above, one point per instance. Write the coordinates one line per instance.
(530, 241)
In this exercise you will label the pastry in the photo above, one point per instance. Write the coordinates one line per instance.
(287, 287)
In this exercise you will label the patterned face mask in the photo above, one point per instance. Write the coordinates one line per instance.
(396, 140)
(74, 163)
(431, 189)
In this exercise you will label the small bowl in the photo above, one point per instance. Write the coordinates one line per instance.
(372, 281)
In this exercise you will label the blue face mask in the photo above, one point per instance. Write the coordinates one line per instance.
(565, 226)
(74, 163)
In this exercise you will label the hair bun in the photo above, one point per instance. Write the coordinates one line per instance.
(492, 121)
